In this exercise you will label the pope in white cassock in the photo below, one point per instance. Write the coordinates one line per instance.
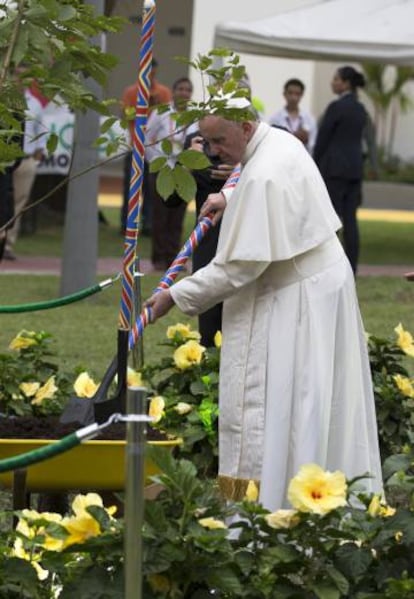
(295, 383)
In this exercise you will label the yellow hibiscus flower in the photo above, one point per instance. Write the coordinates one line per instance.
(404, 384)
(211, 523)
(29, 389)
(20, 552)
(27, 527)
(82, 525)
(183, 408)
(252, 492)
(282, 519)
(317, 491)
(188, 355)
(377, 507)
(23, 340)
(134, 378)
(85, 386)
(182, 331)
(47, 391)
(405, 340)
(156, 408)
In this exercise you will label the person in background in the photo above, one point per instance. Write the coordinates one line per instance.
(209, 181)
(159, 94)
(34, 148)
(6, 205)
(295, 383)
(167, 222)
(293, 118)
(339, 155)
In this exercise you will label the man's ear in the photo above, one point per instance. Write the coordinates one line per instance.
(248, 128)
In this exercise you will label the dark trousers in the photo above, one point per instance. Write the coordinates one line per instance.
(146, 215)
(346, 197)
(167, 228)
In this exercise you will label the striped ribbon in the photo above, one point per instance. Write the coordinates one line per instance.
(137, 167)
(179, 263)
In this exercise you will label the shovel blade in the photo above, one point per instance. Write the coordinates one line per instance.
(78, 409)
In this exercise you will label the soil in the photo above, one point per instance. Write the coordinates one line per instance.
(49, 427)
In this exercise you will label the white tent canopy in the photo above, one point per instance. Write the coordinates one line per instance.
(336, 30)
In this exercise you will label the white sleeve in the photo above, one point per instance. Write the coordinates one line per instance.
(213, 284)
(152, 134)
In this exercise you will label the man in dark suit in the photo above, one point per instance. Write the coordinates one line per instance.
(338, 154)
(209, 180)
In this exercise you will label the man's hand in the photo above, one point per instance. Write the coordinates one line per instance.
(160, 303)
(222, 172)
(302, 134)
(216, 204)
(197, 143)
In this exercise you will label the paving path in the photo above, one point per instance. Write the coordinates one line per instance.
(41, 265)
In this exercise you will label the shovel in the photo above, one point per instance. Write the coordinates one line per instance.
(98, 408)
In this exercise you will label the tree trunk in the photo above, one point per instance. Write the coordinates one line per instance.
(80, 238)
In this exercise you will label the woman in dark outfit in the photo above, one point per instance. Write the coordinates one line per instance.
(338, 154)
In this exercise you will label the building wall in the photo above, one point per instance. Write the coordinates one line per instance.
(172, 37)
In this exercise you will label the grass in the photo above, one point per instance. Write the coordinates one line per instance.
(386, 242)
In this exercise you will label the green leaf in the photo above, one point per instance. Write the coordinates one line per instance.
(166, 146)
(184, 183)
(353, 561)
(324, 590)
(339, 579)
(192, 159)
(66, 12)
(226, 580)
(157, 164)
(165, 182)
(107, 124)
(395, 463)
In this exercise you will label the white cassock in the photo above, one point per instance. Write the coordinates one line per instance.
(295, 384)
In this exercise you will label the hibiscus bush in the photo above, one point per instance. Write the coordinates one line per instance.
(332, 542)
(31, 381)
(393, 390)
(185, 395)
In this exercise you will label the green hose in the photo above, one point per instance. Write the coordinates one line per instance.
(39, 455)
(49, 451)
(61, 301)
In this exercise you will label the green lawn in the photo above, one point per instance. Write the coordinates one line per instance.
(386, 242)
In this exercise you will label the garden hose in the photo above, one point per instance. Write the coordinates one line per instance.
(69, 442)
(61, 301)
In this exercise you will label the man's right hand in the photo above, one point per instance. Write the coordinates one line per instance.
(215, 204)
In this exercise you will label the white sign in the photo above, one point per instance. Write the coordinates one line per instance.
(61, 122)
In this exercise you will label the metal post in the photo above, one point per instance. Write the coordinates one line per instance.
(134, 492)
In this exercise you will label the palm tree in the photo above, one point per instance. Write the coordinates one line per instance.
(386, 88)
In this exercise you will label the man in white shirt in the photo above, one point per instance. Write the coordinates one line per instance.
(167, 222)
(299, 122)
